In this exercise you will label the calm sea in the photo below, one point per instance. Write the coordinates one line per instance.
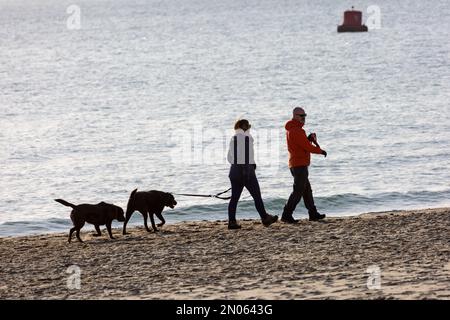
(100, 97)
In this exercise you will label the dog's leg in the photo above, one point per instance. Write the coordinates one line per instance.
(124, 231)
(145, 221)
(99, 233)
(153, 222)
(70, 233)
(160, 217)
(78, 235)
(108, 227)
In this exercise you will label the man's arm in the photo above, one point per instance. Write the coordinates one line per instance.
(301, 139)
(313, 138)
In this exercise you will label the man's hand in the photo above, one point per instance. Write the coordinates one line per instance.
(312, 137)
(324, 153)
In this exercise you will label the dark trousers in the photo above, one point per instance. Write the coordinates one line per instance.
(244, 176)
(301, 188)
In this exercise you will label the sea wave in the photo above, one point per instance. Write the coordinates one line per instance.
(344, 204)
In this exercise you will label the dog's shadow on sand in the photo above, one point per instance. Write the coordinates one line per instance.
(131, 237)
(142, 235)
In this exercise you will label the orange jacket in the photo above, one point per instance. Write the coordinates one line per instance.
(299, 147)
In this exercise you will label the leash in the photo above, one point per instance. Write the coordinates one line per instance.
(217, 195)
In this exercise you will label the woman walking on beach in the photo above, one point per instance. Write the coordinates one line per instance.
(242, 174)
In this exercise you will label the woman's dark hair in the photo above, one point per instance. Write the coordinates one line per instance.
(241, 124)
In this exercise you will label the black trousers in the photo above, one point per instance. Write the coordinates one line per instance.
(244, 176)
(301, 188)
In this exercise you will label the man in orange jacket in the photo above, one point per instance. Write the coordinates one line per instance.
(300, 148)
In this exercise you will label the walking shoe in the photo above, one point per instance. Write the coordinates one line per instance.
(288, 219)
(268, 220)
(316, 217)
(232, 225)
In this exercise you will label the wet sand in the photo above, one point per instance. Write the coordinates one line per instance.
(399, 255)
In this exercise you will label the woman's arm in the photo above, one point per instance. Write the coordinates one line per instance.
(230, 156)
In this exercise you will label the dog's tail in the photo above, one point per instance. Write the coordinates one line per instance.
(64, 202)
(130, 205)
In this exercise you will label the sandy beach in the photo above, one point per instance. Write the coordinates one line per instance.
(389, 255)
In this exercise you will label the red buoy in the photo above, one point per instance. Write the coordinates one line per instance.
(352, 22)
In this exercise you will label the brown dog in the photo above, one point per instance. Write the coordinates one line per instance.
(97, 214)
(148, 203)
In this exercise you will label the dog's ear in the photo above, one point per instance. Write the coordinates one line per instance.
(119, 213)
(163, 198)
(169, 196)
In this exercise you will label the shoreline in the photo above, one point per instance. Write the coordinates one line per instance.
(139, 222)
(402, 254)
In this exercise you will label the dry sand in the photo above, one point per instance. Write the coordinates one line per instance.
(204, 260)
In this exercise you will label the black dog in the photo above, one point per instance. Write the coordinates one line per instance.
(96, 214)
(149, 203)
